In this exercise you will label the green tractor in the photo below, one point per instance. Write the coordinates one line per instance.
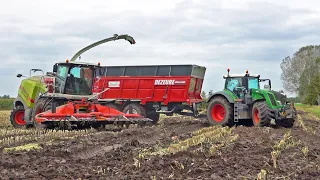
(243, 100)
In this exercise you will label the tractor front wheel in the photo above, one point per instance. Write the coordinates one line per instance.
(220, 112)
(17, 117)
(261, 114)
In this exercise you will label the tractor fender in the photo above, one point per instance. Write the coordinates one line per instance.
(221, 93)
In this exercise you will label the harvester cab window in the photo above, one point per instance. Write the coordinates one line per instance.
(62, 72)
(79, 81)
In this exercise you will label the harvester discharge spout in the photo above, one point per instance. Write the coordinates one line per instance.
(113, 38)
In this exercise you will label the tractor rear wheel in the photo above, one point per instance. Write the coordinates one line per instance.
(17, 117)
(261, 114)
(220, 112)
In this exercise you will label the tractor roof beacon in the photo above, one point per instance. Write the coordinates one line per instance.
(67, 97)
(243, 99)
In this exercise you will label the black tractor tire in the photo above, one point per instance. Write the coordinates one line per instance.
(17, 117)
(39, 108)
(261, 114)
(220, 112)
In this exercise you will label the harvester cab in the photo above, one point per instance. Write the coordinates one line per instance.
(243, 99)
(71, 99)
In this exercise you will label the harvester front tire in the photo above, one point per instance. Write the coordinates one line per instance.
(38, 108)
(220, 112)
(17, 117)
(261, 114)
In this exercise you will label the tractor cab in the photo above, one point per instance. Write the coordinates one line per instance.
(241, 84)
(74, 78)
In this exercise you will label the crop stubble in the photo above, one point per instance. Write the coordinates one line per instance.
(199, 152)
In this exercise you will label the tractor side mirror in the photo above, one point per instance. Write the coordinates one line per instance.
(19, 75)
(267, 86)
(55, 68)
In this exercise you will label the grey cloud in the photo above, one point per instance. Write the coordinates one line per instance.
(190, 33)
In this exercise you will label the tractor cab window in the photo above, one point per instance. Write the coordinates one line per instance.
(233, 83)
(253, 83)
(79, 81)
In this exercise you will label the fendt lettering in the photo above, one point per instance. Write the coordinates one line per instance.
(164, 82)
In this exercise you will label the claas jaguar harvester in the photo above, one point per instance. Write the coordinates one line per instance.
(84, 93)
(242, 100)
(66, 96)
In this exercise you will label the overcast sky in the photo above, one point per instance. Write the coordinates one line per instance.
(244, 34)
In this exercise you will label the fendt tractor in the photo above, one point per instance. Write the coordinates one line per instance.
(84, 93)
(243, 100)
(66, 95)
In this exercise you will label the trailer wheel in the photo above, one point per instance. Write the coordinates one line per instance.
(17, 117)
(220, 112)
(136, 109)
(154, 116)
(261, 114)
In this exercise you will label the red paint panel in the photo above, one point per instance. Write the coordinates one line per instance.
(152, 89)
(128, 93)
(130, 83)
(146, 84)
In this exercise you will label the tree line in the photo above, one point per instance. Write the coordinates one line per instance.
(301, 74)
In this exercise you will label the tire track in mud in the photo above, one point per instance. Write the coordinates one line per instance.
(109, 155)
(95, 151)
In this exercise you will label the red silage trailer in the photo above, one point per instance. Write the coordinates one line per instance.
(151, 90)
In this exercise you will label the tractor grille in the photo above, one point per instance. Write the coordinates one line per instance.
(273, 100)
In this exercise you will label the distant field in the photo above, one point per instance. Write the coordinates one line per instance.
(6, 104)
(315, 110)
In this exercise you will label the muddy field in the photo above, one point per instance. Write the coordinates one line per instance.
(177, 148)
